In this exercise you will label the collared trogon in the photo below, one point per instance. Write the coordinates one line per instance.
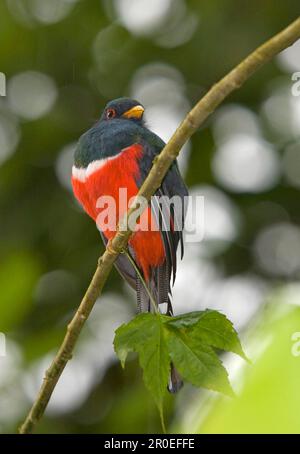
(118, 152)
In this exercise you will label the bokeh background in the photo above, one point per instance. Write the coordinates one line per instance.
(63, 60)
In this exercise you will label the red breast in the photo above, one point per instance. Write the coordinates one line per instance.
(105, 178)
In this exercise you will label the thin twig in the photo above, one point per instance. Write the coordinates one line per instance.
(190, 124)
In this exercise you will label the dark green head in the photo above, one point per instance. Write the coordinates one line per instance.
(123, 108)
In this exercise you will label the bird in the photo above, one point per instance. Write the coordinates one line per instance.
(117, 152)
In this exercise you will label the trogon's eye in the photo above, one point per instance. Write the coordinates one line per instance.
(110, 113)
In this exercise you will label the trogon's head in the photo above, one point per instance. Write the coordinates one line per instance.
(123, 108)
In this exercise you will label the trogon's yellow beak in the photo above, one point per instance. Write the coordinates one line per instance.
(135, 112)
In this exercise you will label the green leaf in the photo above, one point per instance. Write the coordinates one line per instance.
(213, 328)
(188, 341)
(197, 362)
(186, 320)
(145, 334)
(132, 336)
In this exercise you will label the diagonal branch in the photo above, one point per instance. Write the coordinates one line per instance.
(195, 118)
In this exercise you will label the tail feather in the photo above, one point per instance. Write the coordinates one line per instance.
(143, 300)
(175, 382)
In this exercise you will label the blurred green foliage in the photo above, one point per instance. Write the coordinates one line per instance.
(269, 402)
